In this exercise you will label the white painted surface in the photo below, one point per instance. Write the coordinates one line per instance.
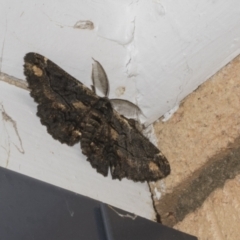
(154, 52)
(159, 50)
(33, 152)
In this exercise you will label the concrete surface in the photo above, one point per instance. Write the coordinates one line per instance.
(201, 141)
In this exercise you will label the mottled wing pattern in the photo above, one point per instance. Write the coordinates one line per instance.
(137, 157)
(96, 141)
(74, 113)
(62, 100)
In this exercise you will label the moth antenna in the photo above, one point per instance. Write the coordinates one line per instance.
(126, 108)
(99, 78)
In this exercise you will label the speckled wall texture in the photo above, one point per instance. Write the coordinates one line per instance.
(202, 143)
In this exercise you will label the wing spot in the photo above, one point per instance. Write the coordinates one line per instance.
(79, 105)
(77, 133)
(58, 105)
(114, 134)
(37, 71)
(153, 167)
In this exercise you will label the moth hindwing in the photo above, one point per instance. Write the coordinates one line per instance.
(72, 113)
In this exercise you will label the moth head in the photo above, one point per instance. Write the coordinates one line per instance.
(104, 106)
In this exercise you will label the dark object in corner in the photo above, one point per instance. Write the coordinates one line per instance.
(73, 113)
(31, 209)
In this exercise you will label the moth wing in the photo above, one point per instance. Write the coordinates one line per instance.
(99, 78)
(95, 144)
(126, 108)
(62, 100)
(138, 158)
(117, 145)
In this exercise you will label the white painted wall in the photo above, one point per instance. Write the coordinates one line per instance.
(158, 50)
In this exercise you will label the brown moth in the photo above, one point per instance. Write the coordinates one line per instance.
(73, 113)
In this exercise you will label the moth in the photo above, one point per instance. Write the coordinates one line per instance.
(74, 113)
